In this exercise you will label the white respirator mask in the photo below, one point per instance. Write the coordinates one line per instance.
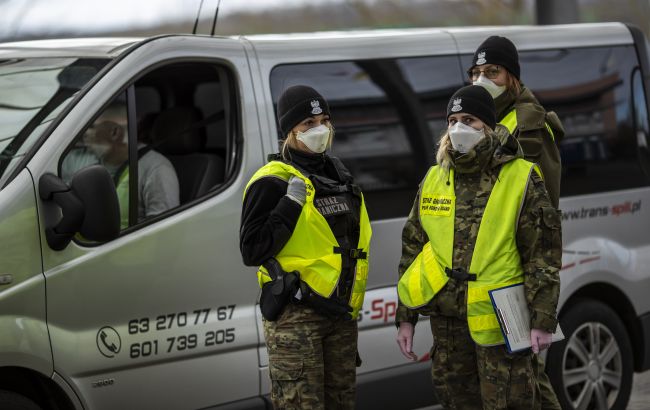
(493, 89)
(316, 138)
(463, 137)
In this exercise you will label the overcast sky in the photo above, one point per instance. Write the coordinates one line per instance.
(29, 16)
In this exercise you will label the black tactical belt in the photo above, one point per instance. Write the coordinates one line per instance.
(351, 252)
(460, 274)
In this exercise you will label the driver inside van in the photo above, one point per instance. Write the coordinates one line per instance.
(106, 142)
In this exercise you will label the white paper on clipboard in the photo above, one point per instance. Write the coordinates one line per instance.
(511, 309)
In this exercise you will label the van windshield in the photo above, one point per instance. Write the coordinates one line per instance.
(33, 92)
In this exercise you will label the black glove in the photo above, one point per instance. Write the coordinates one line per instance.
(331, 308)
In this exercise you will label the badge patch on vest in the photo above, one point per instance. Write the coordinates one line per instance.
(436, 205)
(332, 205)
(310, 189)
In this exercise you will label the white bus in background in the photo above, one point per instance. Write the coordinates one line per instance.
(162, 313)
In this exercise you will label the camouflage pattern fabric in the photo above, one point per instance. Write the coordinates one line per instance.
(538, 238)
(454, 367)
(468, 376)
(312, 360)
(538, 147)
(548, 398)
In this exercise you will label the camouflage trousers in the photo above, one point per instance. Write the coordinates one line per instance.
(468, 376)
(312, 360)
(548, 397)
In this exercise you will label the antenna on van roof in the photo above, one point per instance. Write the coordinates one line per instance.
(198, 14)
(216, 14)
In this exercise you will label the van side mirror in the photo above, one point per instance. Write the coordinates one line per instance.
(88, 206)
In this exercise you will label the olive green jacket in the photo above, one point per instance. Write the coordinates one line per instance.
(531, 132)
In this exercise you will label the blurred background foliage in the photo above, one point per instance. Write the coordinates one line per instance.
(31, 19)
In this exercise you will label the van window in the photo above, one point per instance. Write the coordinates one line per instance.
(641, 123)
(590, 89)
(167, 140)
(388, 115)
(33, 91)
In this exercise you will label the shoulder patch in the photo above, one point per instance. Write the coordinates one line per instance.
(530, 116)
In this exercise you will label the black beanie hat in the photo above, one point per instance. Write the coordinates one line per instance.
(475, 100)
(498, 50)
(297, 103)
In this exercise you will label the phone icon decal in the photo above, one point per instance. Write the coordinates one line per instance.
(109, 342)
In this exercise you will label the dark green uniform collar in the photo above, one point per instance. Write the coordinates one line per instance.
(506, 102)
(494, 150)
(477, 158)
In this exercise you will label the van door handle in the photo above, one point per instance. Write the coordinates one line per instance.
(6, 278)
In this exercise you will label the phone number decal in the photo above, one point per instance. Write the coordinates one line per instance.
(179, 320)
(109, 341)
(182, 343)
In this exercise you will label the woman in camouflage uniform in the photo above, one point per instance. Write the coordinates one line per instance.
(470, 191)
(495, 66)
(304, 220)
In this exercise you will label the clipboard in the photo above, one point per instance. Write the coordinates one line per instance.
(511, 309)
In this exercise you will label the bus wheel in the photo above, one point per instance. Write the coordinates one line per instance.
(592, 367)
(14, 401)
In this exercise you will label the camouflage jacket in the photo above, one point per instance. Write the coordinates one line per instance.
(538, 235)
(531, 132)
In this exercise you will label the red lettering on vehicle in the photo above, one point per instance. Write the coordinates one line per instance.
(383, 310)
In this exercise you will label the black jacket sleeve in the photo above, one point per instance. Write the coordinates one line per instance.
(268, 220)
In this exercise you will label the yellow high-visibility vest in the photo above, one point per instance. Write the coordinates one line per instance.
(495, 261)
(510, 122)
(311, 247)
(122, 190)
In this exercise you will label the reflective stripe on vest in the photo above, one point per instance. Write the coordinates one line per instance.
(495, 260)
(310, 249)
(510, 122)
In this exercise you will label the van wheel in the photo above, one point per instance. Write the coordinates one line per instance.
(592, 367)
(14, 401)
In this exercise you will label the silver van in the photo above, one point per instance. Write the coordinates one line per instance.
(111, 297)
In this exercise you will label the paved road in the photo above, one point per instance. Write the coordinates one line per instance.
(640, 399)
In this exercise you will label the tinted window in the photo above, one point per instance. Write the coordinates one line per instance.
(590, 89)
(33, 92)
(641, 121)
(388, 116)
(175, 145)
